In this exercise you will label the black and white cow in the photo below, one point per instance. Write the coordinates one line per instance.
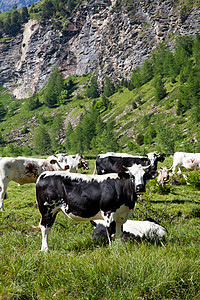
(82, 197)
(111, 162)
(148, 229)
(154, 158)
(117, 162)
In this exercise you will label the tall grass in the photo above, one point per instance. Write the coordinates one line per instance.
(77, 268)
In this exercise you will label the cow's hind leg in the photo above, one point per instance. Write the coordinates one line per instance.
(3, 194)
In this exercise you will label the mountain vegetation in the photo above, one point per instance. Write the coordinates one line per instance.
(159, 106)
(12, 21)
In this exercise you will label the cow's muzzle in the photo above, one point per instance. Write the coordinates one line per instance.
(140, 188)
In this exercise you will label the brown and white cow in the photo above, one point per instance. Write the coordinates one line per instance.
(26, 170)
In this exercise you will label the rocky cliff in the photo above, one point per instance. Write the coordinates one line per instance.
(101, 36)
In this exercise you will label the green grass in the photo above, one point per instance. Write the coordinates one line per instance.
(77, 268)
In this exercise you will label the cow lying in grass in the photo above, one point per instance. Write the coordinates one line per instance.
(147, 229)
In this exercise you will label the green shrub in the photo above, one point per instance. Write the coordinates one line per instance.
(156, 187)
(194, 179)
(24, 130)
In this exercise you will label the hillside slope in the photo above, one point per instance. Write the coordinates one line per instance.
(134, 112)
(105, 37)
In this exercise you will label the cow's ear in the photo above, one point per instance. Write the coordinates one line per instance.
(123, 175)
(53, 161)
(161, 157)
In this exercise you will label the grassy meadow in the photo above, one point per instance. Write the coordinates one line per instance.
(77, 268)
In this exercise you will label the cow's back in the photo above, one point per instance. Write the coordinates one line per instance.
(118, 164)
(22, 169)
(180, 157)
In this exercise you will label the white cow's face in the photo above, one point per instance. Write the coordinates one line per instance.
(140, 176)
(152, 157)
(59, 159)
(137, 173)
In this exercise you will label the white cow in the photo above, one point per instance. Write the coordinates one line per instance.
(75, 162)
(189, 161)
(26, 170)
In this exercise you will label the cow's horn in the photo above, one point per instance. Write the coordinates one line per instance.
(147, 167)
(125, 168)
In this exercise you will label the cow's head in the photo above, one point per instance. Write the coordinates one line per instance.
(154, 157)
(60, 160)
(83, 164)
(163, 175)
(140, 175)
(101, 233)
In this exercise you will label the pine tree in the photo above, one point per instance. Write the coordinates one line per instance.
(24, 14)
(42, 141)
(57, 133)
(3, 111)
(53, 89)
(68, 133)
(160, 91)
(92, 91)
(109, 88)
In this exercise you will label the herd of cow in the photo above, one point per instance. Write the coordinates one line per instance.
(107, 198)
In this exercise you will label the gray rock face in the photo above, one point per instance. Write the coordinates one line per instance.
(99, 37)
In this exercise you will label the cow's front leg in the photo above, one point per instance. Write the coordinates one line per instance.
(121, 216)
(46, 223)
(45, 234)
